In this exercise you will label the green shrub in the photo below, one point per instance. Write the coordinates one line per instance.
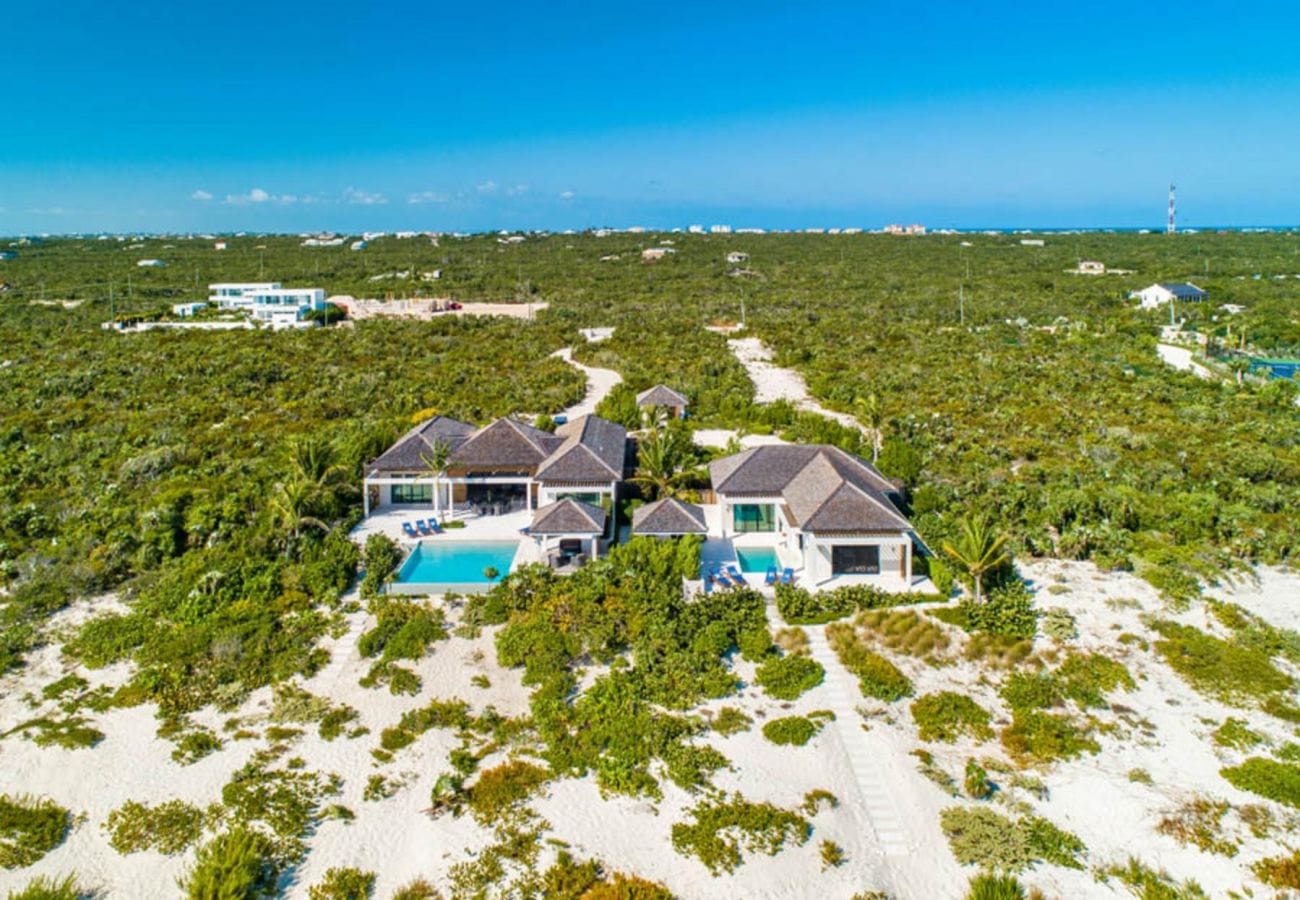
(71, 733)
(980, 836)
(991, 886)
(1278, 781)
(1198, 822)
(799, 606)
(45, 888)
(1281, 872)
(504, 787)
(977, 784)
(877, 676)
(947, 716)
(832, 855)
(731, 720)
(1045, 737)
(1151, 884)
(787, 677)
(233, 866)
(722, 828)
(380, 559)
(169, 827)
(1236, 734)
(194, 744)
(813, 800)
(30, 828)
(941, 575)
(343, 884)
(1058, 624)
(791, 730)
(1217, 668)
(419, 889)
(754, 644)
(1007, 610)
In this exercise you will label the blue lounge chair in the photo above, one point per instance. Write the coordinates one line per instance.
(422, 528)
(736, 576)
(719, 577)
(771, 577)
(408, 530)
(434, 526)
(787, 577)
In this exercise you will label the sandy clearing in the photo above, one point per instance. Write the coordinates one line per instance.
(772, 382)
(1181, 358)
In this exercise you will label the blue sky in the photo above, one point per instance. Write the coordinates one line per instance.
(284, 116)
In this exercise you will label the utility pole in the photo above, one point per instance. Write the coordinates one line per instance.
(961, 302)
(112, 309)
(1171, 227)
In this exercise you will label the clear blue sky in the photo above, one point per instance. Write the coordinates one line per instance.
(285, 116)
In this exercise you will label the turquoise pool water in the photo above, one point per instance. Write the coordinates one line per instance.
(756, 559)
(456, 562)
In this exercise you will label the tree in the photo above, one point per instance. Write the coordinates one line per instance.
(436, 459)
(661, 455)
(869, 410)
(292, 505)
(978, 550)
(233, 866)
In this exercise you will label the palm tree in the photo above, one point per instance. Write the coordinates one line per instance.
(978, 550)
(313, 463)
(868, 410)
(436, 459)
(661, 455)
(292, 505)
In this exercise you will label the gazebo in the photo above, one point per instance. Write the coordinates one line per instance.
(568, 532)
(668, 517)
(663, 396)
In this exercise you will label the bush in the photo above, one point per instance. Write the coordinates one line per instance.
(1217, 668)
(731, 720)
(723, 827)
(832, 855)
(1199, 822)
(233, 866)
(877, 676)
(791, 730)
(343, 884)
(941, 575)
(30, 828)
(1145, 882)
(43, 888)
(1008, 610)
(1236, 734)
(947, 716)
(419, 889)
(380, 559)
(1045, 737)
(977, 784)
(798, 606)
(1282, 872)
(991, 886)
(980, 836)
(169, 827)
(1268, 778)
(1059, 625)
(501, 788)
(787, 677)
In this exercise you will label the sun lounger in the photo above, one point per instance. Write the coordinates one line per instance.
(422, 528)
(434, 526)
(408, 530)
(736, 576)
(787, 577)
(771, 577)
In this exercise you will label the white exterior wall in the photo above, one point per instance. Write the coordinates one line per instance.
(726, 505)
(547, 494)
(238, 295)
(1154, 297)
(895, 554)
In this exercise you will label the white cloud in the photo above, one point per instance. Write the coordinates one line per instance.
(256, 195)
(487, 187)
(567, 195)
(363, 198)
(427, 197)
(201, 195)
(516, 190)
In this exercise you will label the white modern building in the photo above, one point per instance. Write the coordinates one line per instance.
(268, 302)
(238, 295)
(1157, 295)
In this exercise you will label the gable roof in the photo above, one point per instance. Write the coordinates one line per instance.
(669, 516)
(824, 488)
(506, 443)
(590, 449)
(661, 395)
(1183, 290)
(568, 517)
(409, 451)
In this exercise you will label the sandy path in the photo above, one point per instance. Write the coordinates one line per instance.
(775, 383)
(599, 383)
(1181, 358)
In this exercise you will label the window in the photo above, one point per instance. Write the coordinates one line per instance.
(413, 493)
(855, 560)
(749, 517)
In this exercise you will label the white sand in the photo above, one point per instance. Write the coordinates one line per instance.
(599, 383)
(887, 823)
(772, 382)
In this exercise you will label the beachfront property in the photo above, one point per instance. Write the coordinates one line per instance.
(187, 310)
(663, 397)
(818, 509)
(268, 302)
(1157, 295)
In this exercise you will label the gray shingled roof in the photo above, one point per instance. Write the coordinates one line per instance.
(568, 517)
(505, 444)
(668, 516)
(1184, 290)
(824, 488)
(660, 395)
(592, 449)
(407, 454)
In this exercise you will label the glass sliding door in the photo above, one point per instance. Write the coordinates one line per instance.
(751, 517)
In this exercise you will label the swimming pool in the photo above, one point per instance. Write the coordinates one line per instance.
(756, 559)
(454, 565)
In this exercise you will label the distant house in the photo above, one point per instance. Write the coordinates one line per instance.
(654, 254)
(828, 509)
(360, 245)
(151, 264)
(905, 229)
(669, 517)
(268, 302)
(1091, 267)
(185, 310)
(219, 245)
(665, 397)
(737, 257)
(1158, 295)
(1032, 242)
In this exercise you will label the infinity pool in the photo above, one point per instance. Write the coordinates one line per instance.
(756, 559)
(455, 564)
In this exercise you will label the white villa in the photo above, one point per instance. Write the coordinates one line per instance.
(268, 302)
(1157, 295)
(826, 516)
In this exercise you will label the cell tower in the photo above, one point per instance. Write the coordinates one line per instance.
(1171, 227)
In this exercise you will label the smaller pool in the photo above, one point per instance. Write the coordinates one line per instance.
(756, 559)
(456, 564)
